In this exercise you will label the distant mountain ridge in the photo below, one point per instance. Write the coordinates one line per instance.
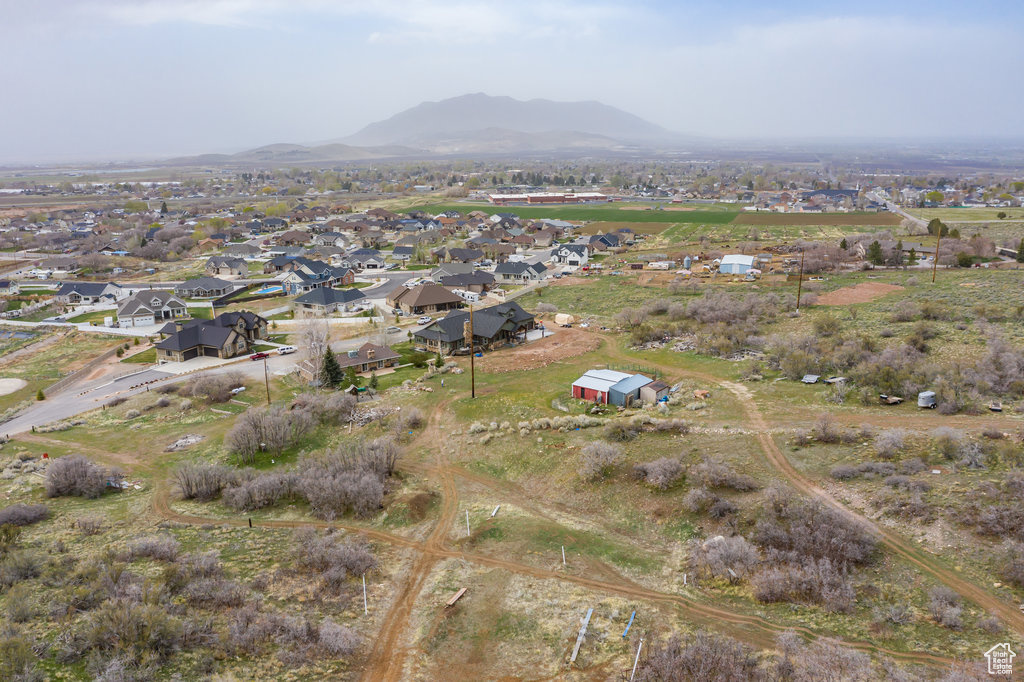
(471, 124)
(467, 117)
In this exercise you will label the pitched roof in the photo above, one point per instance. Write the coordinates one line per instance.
(207, 283)
(149, 300)
(325, 296)
(191, 336)
(487, 322)
(362, 355)
(426, 294)
(85, 288)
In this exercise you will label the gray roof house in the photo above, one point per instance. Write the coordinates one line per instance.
(203, 287)
(493, 327)
(570, 254)
(73, 293)
(325, 300)
(226, 265)
(150, 307)
(519, 272)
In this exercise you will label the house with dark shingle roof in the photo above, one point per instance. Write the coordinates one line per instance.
(226, 265)
(519, 272)
(424, 299)
(477, 281)
(493, 327)
(324, 301)
(73, 293)
(149, 307)
(226, 336)
(203, 287)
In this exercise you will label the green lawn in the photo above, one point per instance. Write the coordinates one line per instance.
(717, 214)
(95, 316)
(200, 312)
(146, 357)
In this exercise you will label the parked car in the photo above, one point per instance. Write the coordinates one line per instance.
(285, 350)
(259, 356)
(426, 319)
(392, 330)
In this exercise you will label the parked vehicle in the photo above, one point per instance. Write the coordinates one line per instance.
(426, 319)
(392, 330)
(285, 350)
(259, 356)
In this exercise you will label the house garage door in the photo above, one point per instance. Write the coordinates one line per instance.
(190, 353)
(209, 351)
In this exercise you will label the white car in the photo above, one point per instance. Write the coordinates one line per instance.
(285, 350)
(426, 319)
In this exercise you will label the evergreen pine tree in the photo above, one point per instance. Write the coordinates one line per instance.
(843, 245)
(875, 256)
(331, 373)
(373, 380)
(351, 378)
(912, 257)
(1020, 252)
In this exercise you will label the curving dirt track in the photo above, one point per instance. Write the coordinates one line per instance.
(1010, 615)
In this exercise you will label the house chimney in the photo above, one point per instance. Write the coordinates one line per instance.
(370, 352)
(178, 326)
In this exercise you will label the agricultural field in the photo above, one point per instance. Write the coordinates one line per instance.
(615, 212)
(240, 542)
(761, 218)
(968, 215)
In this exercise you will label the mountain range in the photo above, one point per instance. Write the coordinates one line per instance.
(473, 124)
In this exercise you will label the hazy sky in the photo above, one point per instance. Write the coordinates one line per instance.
(137, 78)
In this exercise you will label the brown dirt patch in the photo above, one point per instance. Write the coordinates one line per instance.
(566, 343)
(859, 293)
(808, 219)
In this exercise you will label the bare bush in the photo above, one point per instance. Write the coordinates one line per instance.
(410, 419)
(816, 581)
(160, 547)
(889, 443)
(76, 476)
(699, 500)
(948, 441)
(336, 408)
(262, 429)
(214, 388)
(599, 460)
(215, 592)
(1013, 564)
(23, 514)
(944, 605)
(547, 308)
(336, 483)
(844, 472)
(133, 629)
(333, 560)
(167, 388)
(260, 491)
(807, 528)
(662, 473)
(707, 656)
(19, 565)
(725, 557)
(617, 432)
(89, 525)
(822, 659)
(203, 482)
(825, 429)
(714, 473)
(338, 640)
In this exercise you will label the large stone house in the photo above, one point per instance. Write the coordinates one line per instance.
(493, 327)
(226, 336)
(324, 301)
(226, 265)
(519, 272)
(150, 307)
(570, 254)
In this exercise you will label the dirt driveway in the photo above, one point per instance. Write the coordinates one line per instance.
(565, 343)
(864, 292)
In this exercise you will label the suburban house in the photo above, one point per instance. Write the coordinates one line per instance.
(608, 387)
(150, 307)
(242, 251)
(226, 265)
(368, 357)
(324, 301)
(203, 287)
(363, 259)
(458, 255)
(226, 336)
(519, 272)
(446, 269)
(570, 254)
(402, 253)
(478, 281)
(493, 327)
(424, 299)
(74, 293)
(9, 287)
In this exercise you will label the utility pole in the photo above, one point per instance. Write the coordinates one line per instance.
(800, 281)
(266, 379)
(935, 260)
(472, 355)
